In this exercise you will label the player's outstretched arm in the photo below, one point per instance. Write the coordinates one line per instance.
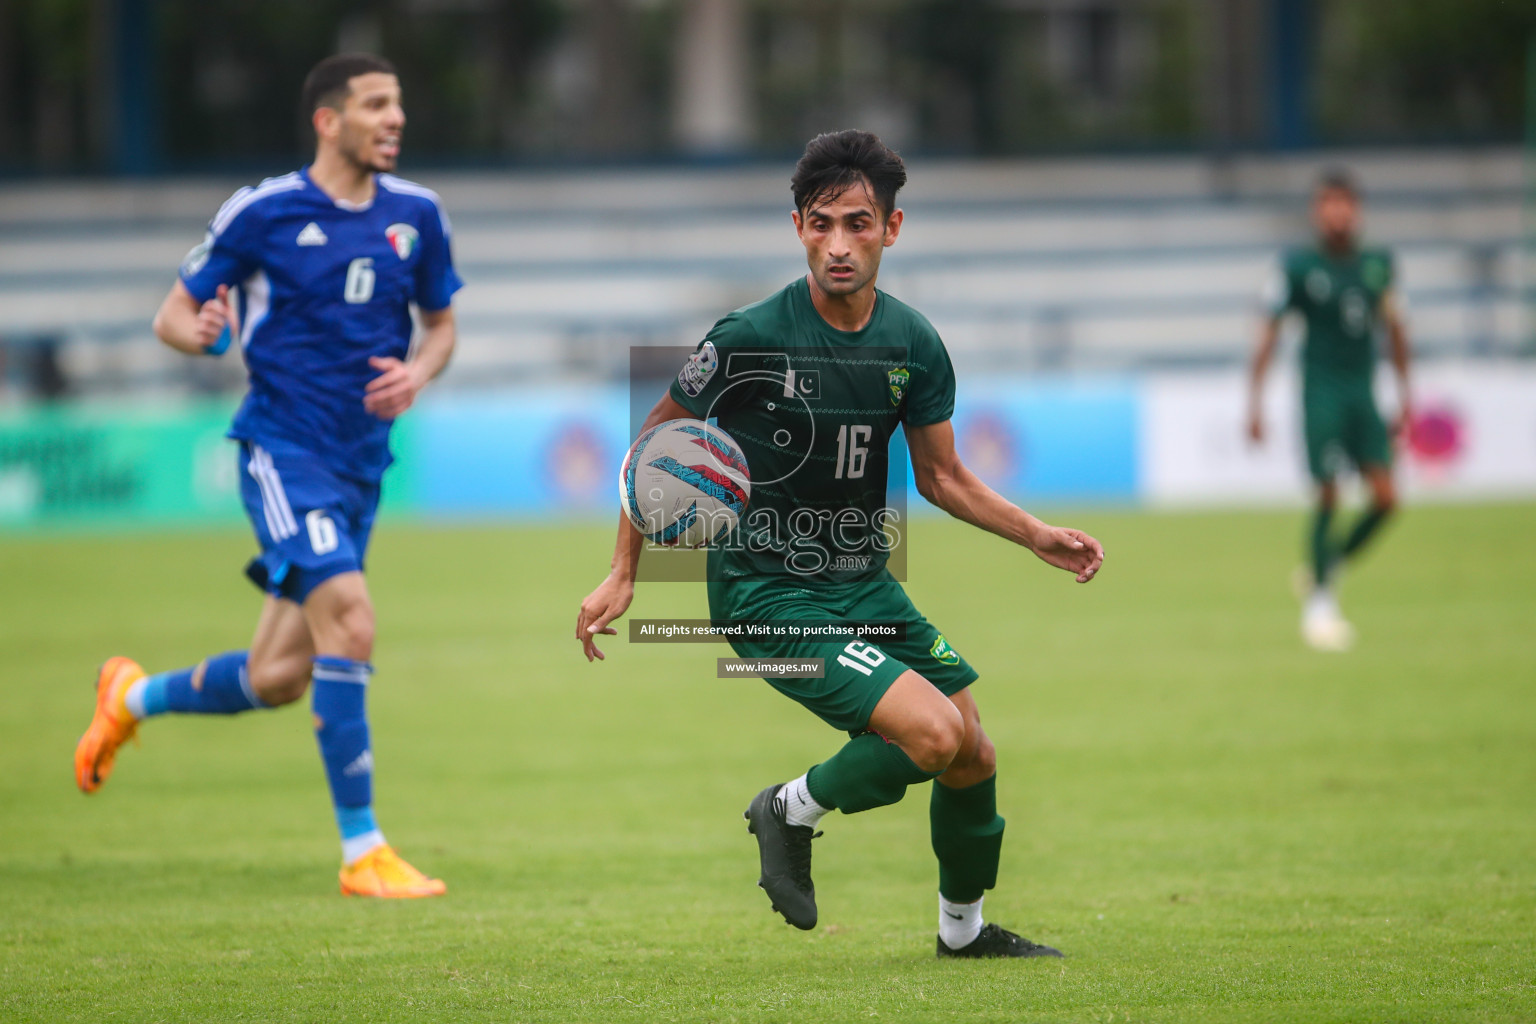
(612, 596)
(944, 480)
(395, 389)
(190, 326)
(1263, 352)
(1397, 341)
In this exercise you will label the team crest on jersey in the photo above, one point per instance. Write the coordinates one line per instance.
(698, 369)
(945, 653)
(403, 238)
(898, 379)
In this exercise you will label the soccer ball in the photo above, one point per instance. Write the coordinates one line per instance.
(684, 483)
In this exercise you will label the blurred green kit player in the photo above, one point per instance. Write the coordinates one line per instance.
(812, 382)
(1346, 296)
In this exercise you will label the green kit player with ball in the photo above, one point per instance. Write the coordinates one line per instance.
(812, 383)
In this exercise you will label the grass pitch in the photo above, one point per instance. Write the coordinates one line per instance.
(1213, 823)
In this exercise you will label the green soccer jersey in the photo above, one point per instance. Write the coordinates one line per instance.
(1340, 300)
(814, 409)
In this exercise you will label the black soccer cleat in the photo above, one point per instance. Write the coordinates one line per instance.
(994, 941)
(785, 853)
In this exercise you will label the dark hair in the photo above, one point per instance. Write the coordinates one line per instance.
(1338, 179)
(329, 83)
(834, 162)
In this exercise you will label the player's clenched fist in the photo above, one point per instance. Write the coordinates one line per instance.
(216, 314)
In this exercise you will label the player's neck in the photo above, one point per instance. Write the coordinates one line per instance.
(843, 312)
(341, 179)
(1337, 246)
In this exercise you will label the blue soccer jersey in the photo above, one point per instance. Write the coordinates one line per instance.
(323, 286)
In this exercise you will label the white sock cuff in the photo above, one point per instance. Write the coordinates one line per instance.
(959, 923)
(352, 849)
(134, 698)
(800, 808)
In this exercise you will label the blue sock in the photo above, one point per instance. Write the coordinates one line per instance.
(341, 726)
(224, 689)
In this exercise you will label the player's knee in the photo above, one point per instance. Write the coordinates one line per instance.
(934, 747)
(982, 759)
(278, 681)
(354, 631)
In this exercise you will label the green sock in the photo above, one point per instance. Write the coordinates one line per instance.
(1322, 551)
(1364, 527)
(967, 839)
(868, 772)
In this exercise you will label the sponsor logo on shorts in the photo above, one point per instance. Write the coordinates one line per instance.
(898, 378)
(698, 369)
(945, 653)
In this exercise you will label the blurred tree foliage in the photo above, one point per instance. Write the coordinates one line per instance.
(488, 81)
(1426, 70)
(229, 82)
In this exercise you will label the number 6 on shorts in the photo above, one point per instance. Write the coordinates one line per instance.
(322, 532)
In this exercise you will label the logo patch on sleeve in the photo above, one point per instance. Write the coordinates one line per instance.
(197, 259)
(699, 368)
(1374, 273)
(403, 238)
(945, 653)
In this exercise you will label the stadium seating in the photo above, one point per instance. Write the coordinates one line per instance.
(1051, 264)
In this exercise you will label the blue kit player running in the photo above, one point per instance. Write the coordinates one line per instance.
(315, 272)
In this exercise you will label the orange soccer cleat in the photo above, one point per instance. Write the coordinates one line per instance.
(111, 726)
(384, 873)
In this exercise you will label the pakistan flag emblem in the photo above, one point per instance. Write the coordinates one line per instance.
(945, 653)
(898, 379)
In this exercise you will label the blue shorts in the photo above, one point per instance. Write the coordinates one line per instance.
(311, 523)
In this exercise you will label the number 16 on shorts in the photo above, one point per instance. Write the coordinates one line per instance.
(861, 657)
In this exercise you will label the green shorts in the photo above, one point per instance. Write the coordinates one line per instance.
(857, 673)
(1343, 428)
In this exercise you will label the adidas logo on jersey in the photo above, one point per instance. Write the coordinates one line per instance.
(312, 235)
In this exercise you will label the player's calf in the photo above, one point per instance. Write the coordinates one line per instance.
(125, 696)
(868, 772)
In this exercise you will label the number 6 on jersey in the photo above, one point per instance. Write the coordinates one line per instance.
(360, 275)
